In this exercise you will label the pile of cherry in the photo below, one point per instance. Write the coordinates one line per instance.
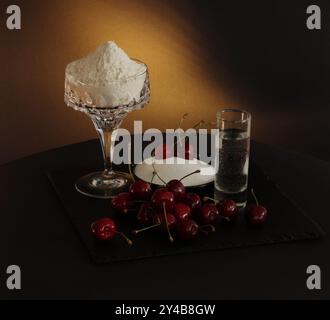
(172, 210)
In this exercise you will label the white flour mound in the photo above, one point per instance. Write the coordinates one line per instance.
(113, 79)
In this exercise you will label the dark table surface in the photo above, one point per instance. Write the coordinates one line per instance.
(37, 235)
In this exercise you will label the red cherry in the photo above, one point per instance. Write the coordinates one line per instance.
(187, 229)
(256, 214)
(193, 200)
(182, 211)
(164, 151)
(104, 229)
(177, 188)
(140, 190)
(209, 214)
(122, 202)
(163, 197)
(145, 213)
(228, 209)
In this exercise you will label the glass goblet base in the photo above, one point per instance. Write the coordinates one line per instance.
(103, 184)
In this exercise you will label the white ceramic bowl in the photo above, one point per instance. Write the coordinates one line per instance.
(173, 169)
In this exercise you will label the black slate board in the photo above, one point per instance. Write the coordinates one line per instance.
(286, 222)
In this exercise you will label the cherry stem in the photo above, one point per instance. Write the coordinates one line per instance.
(129, 241)
(198, 124)
(254, 196)
(167, 228)
(155, 172)
(141, 206)
(190, 174)
(180, 124)
(204, 231)
(153, 176)
(225, 218)
(210, 226)
(209, 198)
(210, 124)
(146, 228)
(183, 118)
(196, 127)
(130, 171)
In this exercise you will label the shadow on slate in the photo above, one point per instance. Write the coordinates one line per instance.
(286, 222)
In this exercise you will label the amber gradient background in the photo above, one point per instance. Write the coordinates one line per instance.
(202, 55)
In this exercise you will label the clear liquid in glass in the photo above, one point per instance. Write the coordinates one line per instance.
(232, 177)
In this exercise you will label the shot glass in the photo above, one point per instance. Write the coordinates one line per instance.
(231, 179)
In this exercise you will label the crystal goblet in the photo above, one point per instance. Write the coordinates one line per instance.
(107, 106)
